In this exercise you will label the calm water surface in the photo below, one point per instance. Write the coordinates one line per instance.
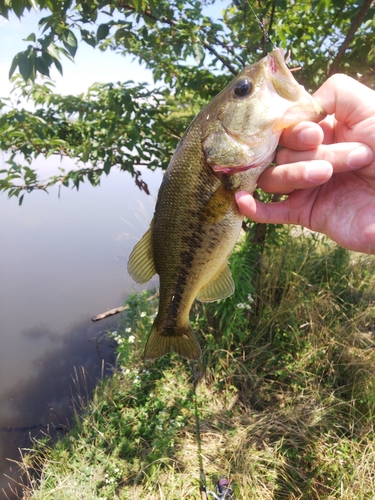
(62, 261)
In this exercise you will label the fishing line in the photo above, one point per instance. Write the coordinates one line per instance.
(195, 379)
(268, 38)
(261, 25)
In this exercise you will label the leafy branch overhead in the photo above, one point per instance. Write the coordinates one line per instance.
(192, 49)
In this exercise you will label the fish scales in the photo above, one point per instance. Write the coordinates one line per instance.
(196, 221)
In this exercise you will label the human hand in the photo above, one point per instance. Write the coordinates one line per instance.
(328, 170)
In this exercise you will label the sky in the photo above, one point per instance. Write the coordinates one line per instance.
(90, 66)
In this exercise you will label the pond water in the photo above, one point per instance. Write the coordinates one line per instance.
(62, 262)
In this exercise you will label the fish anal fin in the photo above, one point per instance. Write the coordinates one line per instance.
(141, 265)
(220, 287)
(182, 341)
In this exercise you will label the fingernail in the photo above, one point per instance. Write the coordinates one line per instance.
(320, 172)
(360, 157)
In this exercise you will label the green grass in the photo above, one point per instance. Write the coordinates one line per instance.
(286, 401)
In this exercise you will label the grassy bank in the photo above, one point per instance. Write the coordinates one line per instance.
(286, 400)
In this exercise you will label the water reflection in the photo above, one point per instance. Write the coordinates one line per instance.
(42, 402)
(62, 261)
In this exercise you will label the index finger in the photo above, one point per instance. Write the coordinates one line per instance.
(350, 101)
(302, 136)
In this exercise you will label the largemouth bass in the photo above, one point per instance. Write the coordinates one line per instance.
(196, 221)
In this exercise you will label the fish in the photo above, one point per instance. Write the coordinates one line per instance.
(196, 221)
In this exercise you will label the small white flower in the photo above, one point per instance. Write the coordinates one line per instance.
(131, 339)
(143, 314)
(128, 330)
(241, 305)
(114, 333)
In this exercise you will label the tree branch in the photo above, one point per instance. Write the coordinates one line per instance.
(270, 26)
(221, 58)
(357, 20)
(117, 310)
(173, 23)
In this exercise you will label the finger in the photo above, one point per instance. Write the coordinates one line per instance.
(286, 178)
(265, 213)
(328, 127)
(342, 156)
(303, 136)
(345, 97)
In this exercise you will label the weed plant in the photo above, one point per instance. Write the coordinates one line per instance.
(286, 400)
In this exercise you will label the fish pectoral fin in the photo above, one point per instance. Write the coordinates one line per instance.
(182, 341)
(218, 205)
(220, 287)
(141, 265)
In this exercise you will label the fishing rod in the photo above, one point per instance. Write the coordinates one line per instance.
(223, 487)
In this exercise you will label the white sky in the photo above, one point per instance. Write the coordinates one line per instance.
(91, 65)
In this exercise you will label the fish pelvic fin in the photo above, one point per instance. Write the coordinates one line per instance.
(181, 340)
(220, 287)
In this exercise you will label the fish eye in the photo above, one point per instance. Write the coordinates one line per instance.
(243, 88)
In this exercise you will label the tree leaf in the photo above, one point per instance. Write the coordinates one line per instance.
(26, 64)
(199, 53)
(107, 166)
(70, 42)
(58, 66)
(14, 64)
(102, 32)
(53, 51)
(41, 65)
(88, 38)
(34, 4)
(18, 6)
(31, 38)
(3, 121)
(153, 8)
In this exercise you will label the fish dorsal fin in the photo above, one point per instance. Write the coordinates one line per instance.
(220, 287)
(141, 265)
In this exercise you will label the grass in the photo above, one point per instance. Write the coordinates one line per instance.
(286, 400)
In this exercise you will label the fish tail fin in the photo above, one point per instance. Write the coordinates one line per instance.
(181, 340)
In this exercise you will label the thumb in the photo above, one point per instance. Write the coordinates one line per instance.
(265, 213)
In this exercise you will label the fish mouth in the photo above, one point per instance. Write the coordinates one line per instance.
(277, 63)
(234, 169)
